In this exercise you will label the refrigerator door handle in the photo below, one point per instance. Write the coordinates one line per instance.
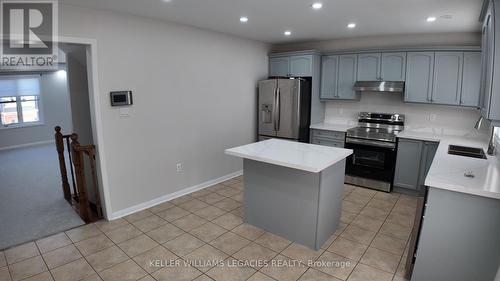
(274, 109)
(278, 109)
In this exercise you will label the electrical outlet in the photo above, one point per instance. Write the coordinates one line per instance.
(432, 117)
(179, 167)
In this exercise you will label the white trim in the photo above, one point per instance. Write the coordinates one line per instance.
(26, 145)
(95, 115)
(23, 125)
(168, 197)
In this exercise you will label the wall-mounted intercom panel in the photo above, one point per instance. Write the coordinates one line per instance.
(121, 98)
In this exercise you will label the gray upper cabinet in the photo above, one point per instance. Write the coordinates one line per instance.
(419, 76)
(279, 66)
(299, 66)
(347, 77)
(393, 66)
(408, 164)
(490, 93)
(447, 85)
(338, 75)
(369, 67)
(471, 81)
(382, 66)
(329, 76)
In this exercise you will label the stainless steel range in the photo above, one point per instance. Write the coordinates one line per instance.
(374, 144)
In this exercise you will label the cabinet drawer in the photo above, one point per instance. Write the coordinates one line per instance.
(328, 142)
(329, 134)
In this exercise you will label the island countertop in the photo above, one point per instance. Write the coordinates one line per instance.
(301, 156)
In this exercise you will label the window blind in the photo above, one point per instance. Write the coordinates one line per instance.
(12, 86)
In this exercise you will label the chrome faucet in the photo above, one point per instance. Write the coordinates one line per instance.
(491, 146)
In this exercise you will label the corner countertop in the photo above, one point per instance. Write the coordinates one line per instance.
(338, 127)
(301, 156)
(447, 171)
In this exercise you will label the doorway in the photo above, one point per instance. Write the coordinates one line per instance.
(32, 202)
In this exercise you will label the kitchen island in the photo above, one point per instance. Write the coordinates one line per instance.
(293, 189)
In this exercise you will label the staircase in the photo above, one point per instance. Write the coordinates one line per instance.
(77, 194)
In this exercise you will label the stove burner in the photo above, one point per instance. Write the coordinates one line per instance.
(377, 126)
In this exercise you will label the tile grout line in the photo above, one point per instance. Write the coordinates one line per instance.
(45, 262)
(394, 274)
(226, 230)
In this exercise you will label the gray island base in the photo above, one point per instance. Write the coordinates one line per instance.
(298, 205)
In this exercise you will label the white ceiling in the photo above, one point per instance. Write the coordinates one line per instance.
(270, 18)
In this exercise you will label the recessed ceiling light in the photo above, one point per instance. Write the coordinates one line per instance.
(167, 1)
(351, 25)
(287, 33)
(431, 19)
(244, 19)
(317, 5)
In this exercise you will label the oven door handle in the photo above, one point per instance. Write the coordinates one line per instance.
(389, 145)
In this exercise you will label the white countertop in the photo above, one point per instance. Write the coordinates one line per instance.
(301, 156)
(447, 171)
(339, 127)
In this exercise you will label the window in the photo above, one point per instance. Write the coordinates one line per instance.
(19, 101)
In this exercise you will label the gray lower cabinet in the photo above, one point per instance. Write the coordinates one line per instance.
(328, 138)
(407, 170)
(328, 142)
(413, 161)
(428, 153)
(459, 239)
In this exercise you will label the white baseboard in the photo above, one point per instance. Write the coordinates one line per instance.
(168, 197)
(27, 145)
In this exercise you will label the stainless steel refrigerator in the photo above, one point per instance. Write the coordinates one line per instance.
(285, 109)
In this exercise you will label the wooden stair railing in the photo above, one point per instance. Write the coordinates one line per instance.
(77, 153)
(60, 140)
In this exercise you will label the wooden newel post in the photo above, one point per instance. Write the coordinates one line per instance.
(62, 163)
(78, 162)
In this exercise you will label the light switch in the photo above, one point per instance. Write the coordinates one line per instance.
(124, 112)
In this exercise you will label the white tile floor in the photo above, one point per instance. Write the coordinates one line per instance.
(206, 226)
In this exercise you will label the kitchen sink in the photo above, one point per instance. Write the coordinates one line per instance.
(472, 152)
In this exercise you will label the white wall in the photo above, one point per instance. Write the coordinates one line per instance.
(194, 96)
(417, 115)
(388, 41)
(55, 110)
(79, 95)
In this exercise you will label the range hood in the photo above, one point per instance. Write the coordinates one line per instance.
(380, 86)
